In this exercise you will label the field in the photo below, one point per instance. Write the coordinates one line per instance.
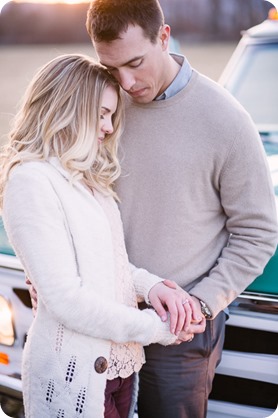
(18, 64)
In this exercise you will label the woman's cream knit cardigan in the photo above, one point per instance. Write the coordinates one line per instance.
(62, 237)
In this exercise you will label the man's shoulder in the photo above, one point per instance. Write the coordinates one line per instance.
(216, 99)
(206, 84)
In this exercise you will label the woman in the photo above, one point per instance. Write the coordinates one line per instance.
(59, 210)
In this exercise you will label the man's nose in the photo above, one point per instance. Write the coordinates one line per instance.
(126, 79)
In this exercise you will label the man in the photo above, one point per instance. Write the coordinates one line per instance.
(196, 196)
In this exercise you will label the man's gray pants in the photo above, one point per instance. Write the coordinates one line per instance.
(175, 381)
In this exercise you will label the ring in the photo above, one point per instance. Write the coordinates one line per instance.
(185, 301)
(189, 341)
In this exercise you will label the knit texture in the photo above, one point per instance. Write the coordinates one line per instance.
(197, 200)
(63, 239)
(126, 358)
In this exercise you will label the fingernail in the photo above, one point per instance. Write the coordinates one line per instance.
(164, 318)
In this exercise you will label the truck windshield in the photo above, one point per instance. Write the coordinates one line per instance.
(254, 83)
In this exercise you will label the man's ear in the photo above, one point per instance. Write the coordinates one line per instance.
(164, 36)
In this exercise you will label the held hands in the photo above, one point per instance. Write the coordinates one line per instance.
(186, 318)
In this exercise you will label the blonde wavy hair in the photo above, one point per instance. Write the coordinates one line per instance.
(59, 116)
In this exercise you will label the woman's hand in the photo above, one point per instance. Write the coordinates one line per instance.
(194, 328)
(183, 310)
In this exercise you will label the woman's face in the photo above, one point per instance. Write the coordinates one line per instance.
(108, 108)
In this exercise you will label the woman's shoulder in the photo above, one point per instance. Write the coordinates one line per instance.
(29, 173)
(27, 166)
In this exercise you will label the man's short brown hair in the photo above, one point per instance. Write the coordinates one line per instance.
(107, 19)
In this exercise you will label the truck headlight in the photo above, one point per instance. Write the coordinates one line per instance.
(7, 336)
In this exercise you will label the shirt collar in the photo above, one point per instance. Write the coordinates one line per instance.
(181, 79)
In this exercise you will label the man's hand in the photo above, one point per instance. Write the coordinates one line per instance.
(33, 295)
(168, 296)
(194, 328)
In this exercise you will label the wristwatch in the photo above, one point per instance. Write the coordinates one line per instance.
(205, 309)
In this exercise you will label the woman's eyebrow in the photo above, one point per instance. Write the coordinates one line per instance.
(105, 108)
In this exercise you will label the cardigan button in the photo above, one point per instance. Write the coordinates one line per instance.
(101, 365)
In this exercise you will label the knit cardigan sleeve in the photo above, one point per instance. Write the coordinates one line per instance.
(143, 282)
(35, 225)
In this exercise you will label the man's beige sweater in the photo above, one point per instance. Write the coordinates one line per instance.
(197, 200)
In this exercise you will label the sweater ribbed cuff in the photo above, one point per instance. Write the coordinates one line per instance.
(162, 334)
(143, 282)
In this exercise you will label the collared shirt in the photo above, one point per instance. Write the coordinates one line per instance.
(179, 82)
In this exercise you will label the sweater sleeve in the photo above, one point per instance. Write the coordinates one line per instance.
(143, 282)
(36, 227)
(247, 198)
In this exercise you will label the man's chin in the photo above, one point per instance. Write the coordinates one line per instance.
(144, 99)
(141, 96)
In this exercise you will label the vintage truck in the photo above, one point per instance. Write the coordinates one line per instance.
(247, 377)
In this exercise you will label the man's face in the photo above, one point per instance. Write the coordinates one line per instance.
(138, 64)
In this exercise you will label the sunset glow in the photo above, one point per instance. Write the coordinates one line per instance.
(52, 1)
(3, 2)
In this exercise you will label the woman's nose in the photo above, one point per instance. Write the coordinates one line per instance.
(108, 127)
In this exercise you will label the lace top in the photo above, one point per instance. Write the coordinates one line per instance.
(129, 357)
